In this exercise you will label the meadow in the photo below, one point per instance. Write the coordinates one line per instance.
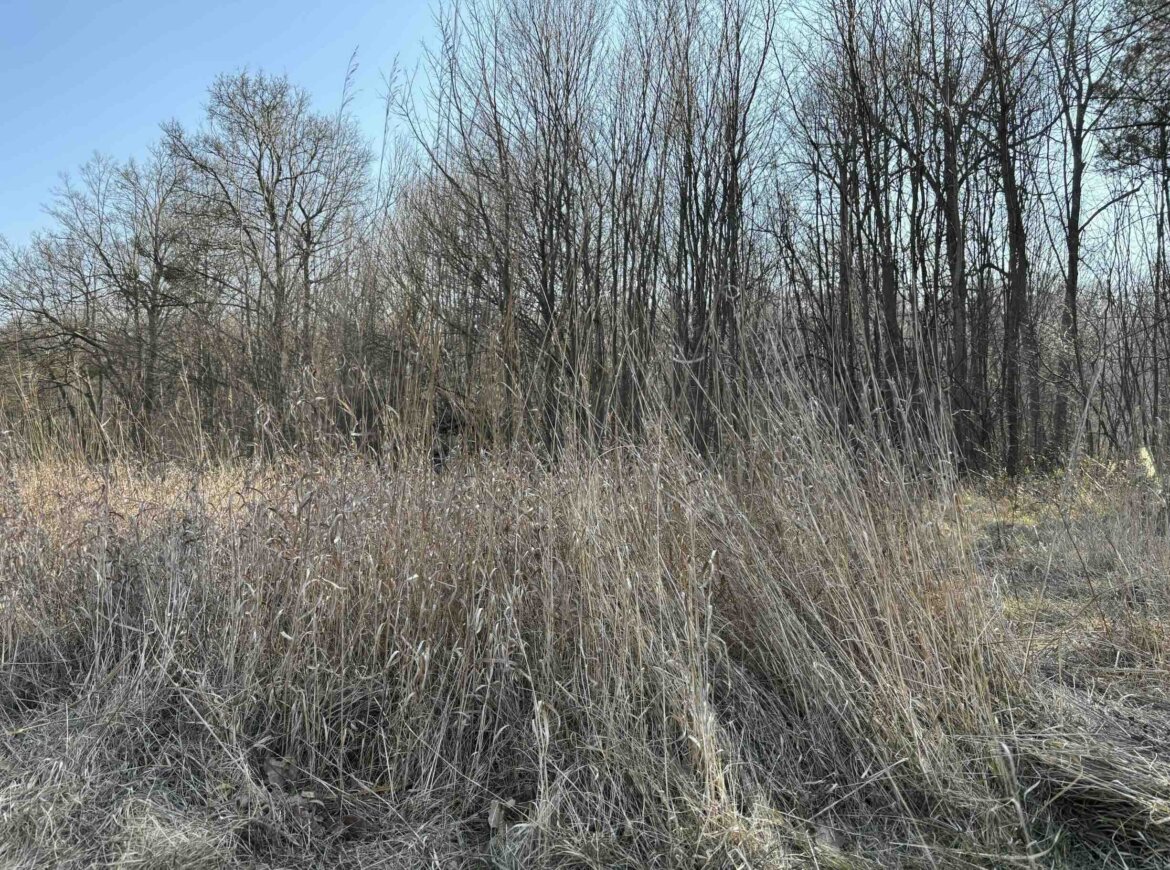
(809, 655)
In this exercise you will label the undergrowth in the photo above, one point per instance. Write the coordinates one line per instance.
(633, 660)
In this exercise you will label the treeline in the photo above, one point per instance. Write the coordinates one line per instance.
(585, 218)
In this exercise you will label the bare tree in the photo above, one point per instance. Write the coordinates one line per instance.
(270, 184)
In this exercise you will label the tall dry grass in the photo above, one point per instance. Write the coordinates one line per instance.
(790, 658)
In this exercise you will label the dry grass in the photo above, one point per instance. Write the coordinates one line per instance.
(630, 660)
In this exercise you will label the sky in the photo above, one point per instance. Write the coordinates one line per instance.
(79, 77)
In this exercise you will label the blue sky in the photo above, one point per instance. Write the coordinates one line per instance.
(85, 76)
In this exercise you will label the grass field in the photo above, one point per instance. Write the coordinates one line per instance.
(802, 660)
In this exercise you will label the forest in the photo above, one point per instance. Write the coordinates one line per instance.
(713, 433)
(578, 218)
